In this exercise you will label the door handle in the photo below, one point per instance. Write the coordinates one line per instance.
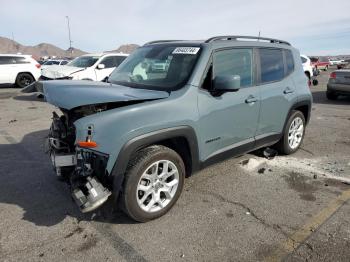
(251, 99)
(288, 90)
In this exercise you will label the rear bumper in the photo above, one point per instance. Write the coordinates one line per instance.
(339, 88)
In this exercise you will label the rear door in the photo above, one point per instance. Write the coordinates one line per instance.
(278, 93)
(229, 121)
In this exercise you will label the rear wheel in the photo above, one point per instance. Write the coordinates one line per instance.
(24, 79)
(153, 183)
(293, 134)
(331, 95)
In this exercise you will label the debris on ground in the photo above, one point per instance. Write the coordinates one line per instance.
(261, 170)
(12, 121)
(269, 153)
(251, 163)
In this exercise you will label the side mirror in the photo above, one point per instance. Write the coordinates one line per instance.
(101, 66)
(227, 83)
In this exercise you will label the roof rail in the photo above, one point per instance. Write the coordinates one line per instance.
(236, 37)
(161, 41)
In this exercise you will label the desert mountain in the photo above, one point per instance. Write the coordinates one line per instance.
(8, 46)
(128, 49)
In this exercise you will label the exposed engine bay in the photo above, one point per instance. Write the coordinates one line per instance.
(83, 170)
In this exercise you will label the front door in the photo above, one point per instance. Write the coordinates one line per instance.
(229, 121)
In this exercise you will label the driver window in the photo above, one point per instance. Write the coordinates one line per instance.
(235, 62)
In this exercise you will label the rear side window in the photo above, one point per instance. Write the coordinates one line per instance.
(271, 65)
(20, 60)
(64, 62)
(235, 62)
(7, 60)
(109, 62)
(289, 62)
(303, 59)
(113, 61)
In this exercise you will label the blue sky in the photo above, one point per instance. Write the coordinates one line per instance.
(315, 27)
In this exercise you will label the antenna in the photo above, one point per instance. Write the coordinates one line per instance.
(70, 40)
(259, 36)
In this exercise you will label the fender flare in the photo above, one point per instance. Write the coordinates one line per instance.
(148, 139)
(295, 106)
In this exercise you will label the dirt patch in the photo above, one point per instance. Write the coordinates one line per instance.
(77, 230)
(300, 184)
(90, 243)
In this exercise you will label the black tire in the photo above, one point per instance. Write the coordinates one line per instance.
(142, 160)
(326, 68)
(24, 79)
(307, 73)
(283, 146)
(331, 95)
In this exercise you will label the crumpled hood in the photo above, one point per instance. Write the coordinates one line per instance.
(56, 71)
(69, 94)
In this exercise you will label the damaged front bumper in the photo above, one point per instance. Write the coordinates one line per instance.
(83, 170)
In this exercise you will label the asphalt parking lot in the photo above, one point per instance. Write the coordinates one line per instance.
(292, 208)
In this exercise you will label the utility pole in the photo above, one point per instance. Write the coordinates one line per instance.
(70, 40)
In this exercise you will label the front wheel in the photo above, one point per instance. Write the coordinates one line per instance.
(293, 134)
(153, 183)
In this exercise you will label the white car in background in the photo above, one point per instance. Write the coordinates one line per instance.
(95, 67)
(21, 70)
(307, 66)
(336, 61)
(53, 62)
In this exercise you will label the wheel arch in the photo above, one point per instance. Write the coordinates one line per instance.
(304, 107)
(25, 72)
(181, 139)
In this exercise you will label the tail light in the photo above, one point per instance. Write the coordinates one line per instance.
(38, 65)
(333, 75)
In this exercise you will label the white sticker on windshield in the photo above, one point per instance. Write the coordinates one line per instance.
(186, 50)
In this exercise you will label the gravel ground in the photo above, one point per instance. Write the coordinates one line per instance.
(243, 209)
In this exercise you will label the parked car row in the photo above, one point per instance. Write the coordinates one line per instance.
(23, 70)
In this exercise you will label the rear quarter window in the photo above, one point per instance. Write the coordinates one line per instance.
(271, 65)
(289, 62)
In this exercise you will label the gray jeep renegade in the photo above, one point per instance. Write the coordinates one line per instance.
(170, 109)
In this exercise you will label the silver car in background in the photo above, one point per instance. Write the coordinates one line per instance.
(338, 84)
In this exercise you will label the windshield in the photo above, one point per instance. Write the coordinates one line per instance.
(84, 61)
(161, 67)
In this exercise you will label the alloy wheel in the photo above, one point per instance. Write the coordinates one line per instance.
(157, 186)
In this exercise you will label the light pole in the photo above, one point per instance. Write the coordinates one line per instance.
(70, 40)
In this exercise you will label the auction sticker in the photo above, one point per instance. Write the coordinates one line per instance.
(186, 50)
